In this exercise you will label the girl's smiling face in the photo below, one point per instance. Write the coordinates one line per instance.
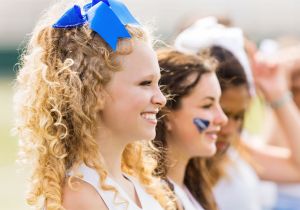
(202, 102)
(133, 96)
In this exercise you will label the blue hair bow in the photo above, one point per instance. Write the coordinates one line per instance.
(106, 17)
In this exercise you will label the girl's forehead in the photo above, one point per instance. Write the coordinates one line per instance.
(207, 88)
(235, 98)
(142, 58)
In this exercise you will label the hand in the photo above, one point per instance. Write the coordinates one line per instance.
(270, 77)
(289, 59)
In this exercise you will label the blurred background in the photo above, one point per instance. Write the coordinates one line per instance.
(259, 19)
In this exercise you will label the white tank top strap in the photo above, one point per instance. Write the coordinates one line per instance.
(91, 176)
(113, 202)
(147, 201)
(192, 199)
(186, 199)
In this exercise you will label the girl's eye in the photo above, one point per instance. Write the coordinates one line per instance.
(207, 106)
(146, 83)
(235, 117)
(238, 117)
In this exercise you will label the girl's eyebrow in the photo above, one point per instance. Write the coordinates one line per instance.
(209, 97)
(158, 76)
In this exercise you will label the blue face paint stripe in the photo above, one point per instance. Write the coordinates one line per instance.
(201, 124)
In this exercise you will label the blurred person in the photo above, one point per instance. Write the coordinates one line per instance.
(295, 86)
(288, 50)
(194, 89)
(236, 177)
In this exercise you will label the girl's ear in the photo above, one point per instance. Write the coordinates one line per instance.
(168, 124)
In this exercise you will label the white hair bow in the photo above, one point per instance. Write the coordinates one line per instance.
(206, 33)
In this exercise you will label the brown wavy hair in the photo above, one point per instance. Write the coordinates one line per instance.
(176, 68)
(56, 101)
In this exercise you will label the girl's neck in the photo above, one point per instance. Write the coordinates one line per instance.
(178, 163)
(111, 149)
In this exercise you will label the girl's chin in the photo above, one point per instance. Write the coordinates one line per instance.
(150, 135)
(222, 146)
(209, 152)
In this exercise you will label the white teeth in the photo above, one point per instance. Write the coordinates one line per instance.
(149, 116)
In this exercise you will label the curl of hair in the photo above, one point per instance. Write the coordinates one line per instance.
(56, 103)
(176, 68)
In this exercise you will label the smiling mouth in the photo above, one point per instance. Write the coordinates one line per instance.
(212, 135)
(150, 117)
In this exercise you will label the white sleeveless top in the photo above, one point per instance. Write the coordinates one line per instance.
(290, 190)
(122, 201)
(186, 198)
(242, 189)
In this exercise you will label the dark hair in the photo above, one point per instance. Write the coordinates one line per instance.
(230, 72)
(176, 68)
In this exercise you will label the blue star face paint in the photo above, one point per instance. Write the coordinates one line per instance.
(201, 124)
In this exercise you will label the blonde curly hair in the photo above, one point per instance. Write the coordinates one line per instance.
(56, 99)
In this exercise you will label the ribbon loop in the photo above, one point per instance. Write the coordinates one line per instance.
(71, 19)
(108, 18)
